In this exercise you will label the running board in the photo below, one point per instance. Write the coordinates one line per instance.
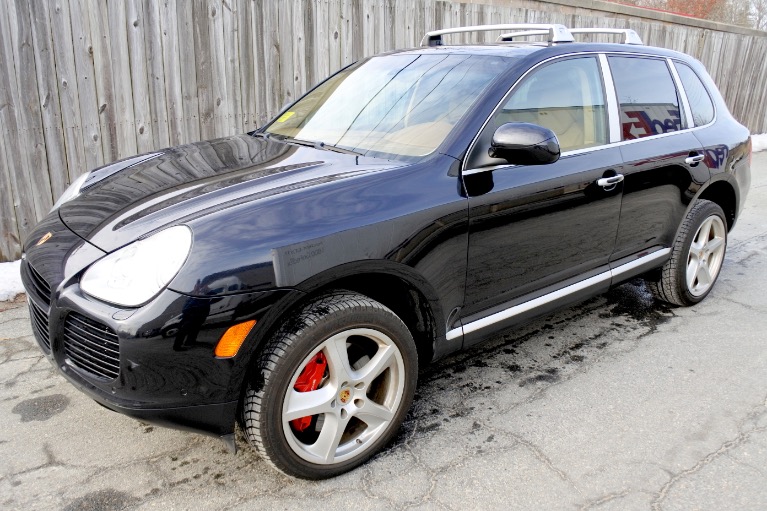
(619, 272)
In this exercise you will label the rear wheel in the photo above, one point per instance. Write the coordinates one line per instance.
(332, 387)
(696, 258)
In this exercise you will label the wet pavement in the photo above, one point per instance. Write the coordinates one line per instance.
(617, 403)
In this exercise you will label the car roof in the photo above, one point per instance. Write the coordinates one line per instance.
(545, 50)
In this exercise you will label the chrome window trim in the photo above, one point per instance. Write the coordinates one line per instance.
(555, 295)
(613, 109)
(708, 92)
(467, 172)
(501, 103)
(681, 92)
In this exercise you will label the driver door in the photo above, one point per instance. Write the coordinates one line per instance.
(535, 229)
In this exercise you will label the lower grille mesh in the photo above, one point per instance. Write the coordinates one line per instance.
(40, 324)
(92, 346)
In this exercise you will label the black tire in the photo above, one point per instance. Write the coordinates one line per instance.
(349, 394)
(705, 220)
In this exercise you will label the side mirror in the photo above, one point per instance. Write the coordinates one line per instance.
(522, 143)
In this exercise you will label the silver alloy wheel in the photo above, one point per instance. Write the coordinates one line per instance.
(706, 254)
(356, 401)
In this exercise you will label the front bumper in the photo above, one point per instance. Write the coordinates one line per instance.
(156, 362)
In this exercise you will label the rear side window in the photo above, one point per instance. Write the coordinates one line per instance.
(700, 102)
(648, 99)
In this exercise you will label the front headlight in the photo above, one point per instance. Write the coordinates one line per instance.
(133, 275)
(71, 192)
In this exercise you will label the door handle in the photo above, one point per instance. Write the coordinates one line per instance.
(695, 159)
(607, 182)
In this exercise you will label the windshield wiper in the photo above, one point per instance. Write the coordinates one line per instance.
(314, 144)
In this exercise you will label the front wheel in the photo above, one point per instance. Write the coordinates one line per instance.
(331, 387)
(696, 258)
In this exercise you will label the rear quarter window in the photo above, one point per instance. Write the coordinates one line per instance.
(648, 99)
(700, 102)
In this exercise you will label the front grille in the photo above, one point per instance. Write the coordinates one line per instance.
(42, 288)
(40, 324)
(92, 346)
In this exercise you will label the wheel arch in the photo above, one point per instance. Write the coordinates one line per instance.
(722, 193)
(395, 285)
(398, 287)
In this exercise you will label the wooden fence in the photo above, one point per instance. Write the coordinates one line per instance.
(87, 82)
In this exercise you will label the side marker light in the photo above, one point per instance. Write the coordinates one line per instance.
(230, 342)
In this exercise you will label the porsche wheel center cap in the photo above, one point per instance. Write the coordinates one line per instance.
(345, 395)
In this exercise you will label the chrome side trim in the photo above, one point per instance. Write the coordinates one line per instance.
(682, 93)
(537, 302)
(613, 110)
(454, 333)
(649, 258)
(555, 295)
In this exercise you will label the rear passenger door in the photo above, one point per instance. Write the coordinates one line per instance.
(664, 163)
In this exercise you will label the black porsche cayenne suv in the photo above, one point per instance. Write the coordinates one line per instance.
(413, 204)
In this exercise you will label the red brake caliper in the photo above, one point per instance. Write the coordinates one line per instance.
(309, 380)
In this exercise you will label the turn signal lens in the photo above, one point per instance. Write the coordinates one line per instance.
(230, 342)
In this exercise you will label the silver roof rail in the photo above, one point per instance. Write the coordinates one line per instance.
(557, 33)
(629, 36)
(524, 33)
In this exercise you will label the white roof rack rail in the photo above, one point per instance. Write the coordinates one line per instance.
(557, 33)
(629, 36)
(524, 33)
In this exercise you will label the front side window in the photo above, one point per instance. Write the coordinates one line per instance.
(395, 105)
(648, 99)
(697, 95)
(566, 97)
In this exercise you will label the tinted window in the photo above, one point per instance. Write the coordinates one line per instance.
(700, 102)
(647, 96)
(567, 97)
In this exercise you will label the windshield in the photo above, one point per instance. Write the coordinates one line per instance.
(395, 105)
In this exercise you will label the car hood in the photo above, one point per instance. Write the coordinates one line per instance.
(125, 200)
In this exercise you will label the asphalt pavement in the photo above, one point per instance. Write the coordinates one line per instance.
(617, 403)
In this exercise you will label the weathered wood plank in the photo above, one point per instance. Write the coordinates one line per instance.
(156, 73)
(85, 75)
(286, 53)
(347, 33)
(18, 163)
(28, 112)
(187, 48)
(261, 52)
(205, 94)
(103, 78)
(231, 52)
(123, 86)
(322, 44)
(247, 64)
(172, 73)
(10, 247)
(299, 49)
(272, 53)
(221, 99)
(142, 110)
(334, 22)
(69, 97)
(310, 40)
